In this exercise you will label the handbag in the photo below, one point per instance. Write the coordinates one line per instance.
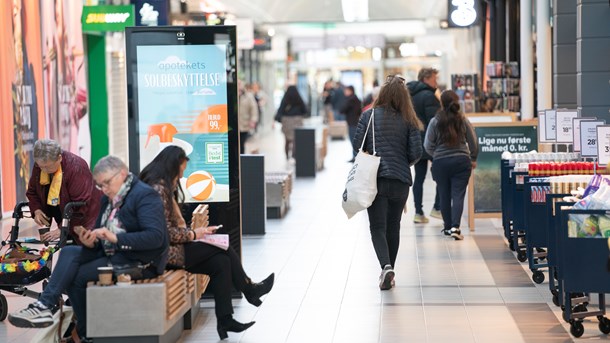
(134, 269)
(361, 186)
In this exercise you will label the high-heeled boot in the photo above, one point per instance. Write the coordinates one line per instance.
(254, 291)
(227, 323)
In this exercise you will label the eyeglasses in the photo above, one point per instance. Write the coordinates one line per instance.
(106, 182)
(398, 76)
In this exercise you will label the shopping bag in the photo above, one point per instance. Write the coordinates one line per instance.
(361, 186)
(55, 332)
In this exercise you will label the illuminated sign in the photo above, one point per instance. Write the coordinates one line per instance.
(462, 13)
(107, 18)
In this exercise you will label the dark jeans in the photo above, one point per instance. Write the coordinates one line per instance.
(74, 269)
(224, 269)
(351, 130)
(243, 137)
(452, 175)
(384, 218)
(421, 169)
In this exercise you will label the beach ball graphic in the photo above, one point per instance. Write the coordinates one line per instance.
(201, 185)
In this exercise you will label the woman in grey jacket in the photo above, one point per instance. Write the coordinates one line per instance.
(398, 143)
(452, 143)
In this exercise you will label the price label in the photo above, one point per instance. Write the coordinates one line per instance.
(214, 122)
(576, 131)
(542, 127)
(564, 123)
(603, 148)
(551, 125)
(588, 137)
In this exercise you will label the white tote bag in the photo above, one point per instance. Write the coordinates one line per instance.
(361, 185)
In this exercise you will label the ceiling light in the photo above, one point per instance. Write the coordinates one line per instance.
(271, 32)
(376, 54)
(355, 10)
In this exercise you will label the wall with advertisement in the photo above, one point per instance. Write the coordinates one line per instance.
(182, 91)
(21, 99)
(43, 93)
(64, 73)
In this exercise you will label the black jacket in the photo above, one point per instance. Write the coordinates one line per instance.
(352, 107)
(425, 104)
(143, 218)
(396, 142)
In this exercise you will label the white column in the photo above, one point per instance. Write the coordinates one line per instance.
(527, 61)
(543, 56)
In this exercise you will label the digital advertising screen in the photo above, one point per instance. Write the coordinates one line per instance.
(184, 94)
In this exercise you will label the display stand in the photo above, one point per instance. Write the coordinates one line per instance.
(484, 185)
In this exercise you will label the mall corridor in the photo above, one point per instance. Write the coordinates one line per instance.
(326, 287)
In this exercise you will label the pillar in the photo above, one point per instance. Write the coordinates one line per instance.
(564, 53)
(527, 62)
(543, 55)
(592, 51)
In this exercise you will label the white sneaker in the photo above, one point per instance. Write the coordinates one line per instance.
(436, 214)
(386, 278)
(36, 315)
(455, 233)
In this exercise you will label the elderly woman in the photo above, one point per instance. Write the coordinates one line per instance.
(130, 229)
(60, 177)
(223, 267)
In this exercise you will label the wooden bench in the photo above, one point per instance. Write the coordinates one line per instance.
(153, 310)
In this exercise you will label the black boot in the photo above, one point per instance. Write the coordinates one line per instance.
(254, 291)
(227, 323)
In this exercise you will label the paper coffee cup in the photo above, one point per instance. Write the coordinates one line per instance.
(105, 275)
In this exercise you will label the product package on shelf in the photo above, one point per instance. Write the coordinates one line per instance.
(592, 225)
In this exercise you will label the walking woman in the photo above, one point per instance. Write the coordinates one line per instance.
(452, 143)
(398, 143)
(290, 114)
(223, 266)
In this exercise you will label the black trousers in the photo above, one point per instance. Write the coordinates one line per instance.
(384, 218)
(452, 175)
(421, 169)
(223, 267)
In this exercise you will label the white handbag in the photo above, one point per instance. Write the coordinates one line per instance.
(361, 186)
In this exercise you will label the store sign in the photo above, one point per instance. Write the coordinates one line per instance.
(107, 18)
(462, 13)
(494, 139)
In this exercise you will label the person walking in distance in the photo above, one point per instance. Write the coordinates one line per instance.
(352, 107)
(452, 142)
(248, 115)
(398, 143)
(426, 105)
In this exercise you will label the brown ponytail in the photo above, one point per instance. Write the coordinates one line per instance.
(450, 125)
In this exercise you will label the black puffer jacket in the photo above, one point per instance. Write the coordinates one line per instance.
(398, 143)
(425, 104)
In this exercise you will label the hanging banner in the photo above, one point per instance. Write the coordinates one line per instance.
(65, 86)
(21, 100)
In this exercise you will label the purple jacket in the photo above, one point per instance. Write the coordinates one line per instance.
(77, 185)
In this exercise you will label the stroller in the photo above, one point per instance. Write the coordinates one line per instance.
(21, 266)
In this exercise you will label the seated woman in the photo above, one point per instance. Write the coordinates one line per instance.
(129, 229)
(223, 267)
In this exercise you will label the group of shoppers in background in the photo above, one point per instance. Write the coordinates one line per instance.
(412, 127)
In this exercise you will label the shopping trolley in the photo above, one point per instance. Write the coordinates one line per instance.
(535, 224)
(582, 266)
(21, 266)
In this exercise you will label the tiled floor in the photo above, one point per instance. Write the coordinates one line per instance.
(326, 278)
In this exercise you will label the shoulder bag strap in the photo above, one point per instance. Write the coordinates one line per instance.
(367, 130)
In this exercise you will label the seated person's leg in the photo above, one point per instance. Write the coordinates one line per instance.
(78, 291)
(38, 314)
